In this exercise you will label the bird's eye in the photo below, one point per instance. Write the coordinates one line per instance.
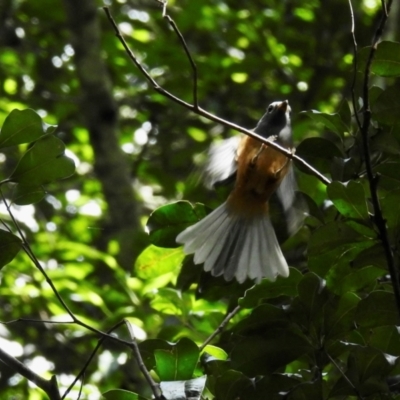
(270, 108)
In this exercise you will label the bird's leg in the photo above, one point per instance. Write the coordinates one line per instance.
(278, 171)
(255, 158)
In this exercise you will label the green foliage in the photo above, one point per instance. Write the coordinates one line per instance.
(328, 331)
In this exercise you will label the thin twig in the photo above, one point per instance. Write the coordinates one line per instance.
(344, 376)
(135, 348)
(378, 218)
(220, 328)
(199, 111)
(89, 360)
(26, 247)
(355, 65)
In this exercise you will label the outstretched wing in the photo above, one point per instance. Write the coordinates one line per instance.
(222, 161)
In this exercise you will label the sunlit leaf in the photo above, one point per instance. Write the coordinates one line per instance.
(165, 223)
(386, 60)
(155, 261)
(349, 198)
(332, 121)
(179, 362)
(44, 162)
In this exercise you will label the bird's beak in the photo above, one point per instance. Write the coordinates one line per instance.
(283, 106)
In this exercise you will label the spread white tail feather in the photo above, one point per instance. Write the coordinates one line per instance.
(235, 246)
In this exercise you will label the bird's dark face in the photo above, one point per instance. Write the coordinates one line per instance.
(276, 121)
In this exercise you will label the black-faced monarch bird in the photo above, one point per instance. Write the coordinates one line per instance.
(237, 240)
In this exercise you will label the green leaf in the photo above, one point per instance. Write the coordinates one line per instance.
(262, 355)
(178, 363)
(44, 162)
(386, 339)
(339, 315)
(262, 317)
(119, 394)
(147, 349)
(9, 247)
(386, 61)
(155, 261)
(27, 194)
(165, 223)
(268, 290)
(386, 108)
(21, 127)
(313, 294)
(330, 236)
(318, 152)
(349, 198)
(377, 309)
(233, 385)
(332, 121)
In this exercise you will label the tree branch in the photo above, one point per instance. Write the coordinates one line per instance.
(198, 110)
(221, 327)
(379, 220)
(135, 348)
(50, 387)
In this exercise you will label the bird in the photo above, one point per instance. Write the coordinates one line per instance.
(237, 239)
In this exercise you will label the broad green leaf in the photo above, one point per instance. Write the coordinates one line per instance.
(169, 301)
(192, 388)
(268, 290)
(260, 355)
(339, 315)
(330, 236)
(386, 108)
(385, 142)
(386, 61)
(233, 385)
(313, 293)
(366, 369)
(319, 152)
(386, 339)
(215, 352)
(155, 261)
(349, 198)
(377, 309)
(360, 279)
(27, 194)
(178, 363)
(9, 247)
(374, 255)
(21, 127)
(263, 317)
(147, 349)
(44, 162)
(332, 121)
(165, 223)
(120, 394)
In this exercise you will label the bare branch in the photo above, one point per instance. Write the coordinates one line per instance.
(221, 327)
(344, 375)
(89, 360)
(135, 348)
(199, 111)
(372, 178)
(50, 387)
